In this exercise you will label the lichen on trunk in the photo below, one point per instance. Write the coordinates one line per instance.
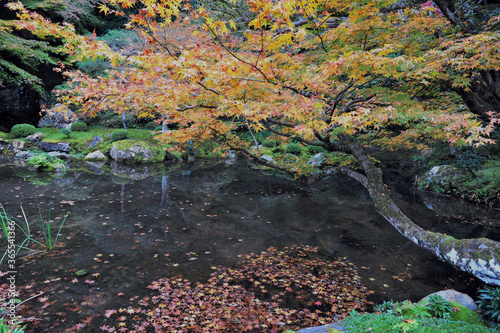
(479, 256)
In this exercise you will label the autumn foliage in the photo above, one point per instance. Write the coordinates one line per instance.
(276, 290)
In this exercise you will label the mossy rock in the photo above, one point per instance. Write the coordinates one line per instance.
(131, 152)
(464, 314)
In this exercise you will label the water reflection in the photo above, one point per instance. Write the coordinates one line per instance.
(130, 227)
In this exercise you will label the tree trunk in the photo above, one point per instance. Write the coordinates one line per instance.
(123, 121)
(479, 257)
(164, 124)
(483, 95)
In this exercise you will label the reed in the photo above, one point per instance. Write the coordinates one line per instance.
(9, 227)
(17, 232)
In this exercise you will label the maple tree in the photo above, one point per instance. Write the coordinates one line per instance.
(341, 75)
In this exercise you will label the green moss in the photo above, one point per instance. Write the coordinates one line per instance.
(22, 130)
(462, 313)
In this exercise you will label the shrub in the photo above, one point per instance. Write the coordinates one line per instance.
(44, 162)
(294, 148)
(470, 159)
(66, 131)
(79, 126)
(385, 322)
(313, 150)
(22, 130)
(489, 302)
(269, 143)
(119, 135)
(150, 126)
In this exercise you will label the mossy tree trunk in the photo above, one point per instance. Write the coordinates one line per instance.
(479, 256)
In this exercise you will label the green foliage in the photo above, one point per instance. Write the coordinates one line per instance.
(439, 307)
(385, 322)
(151, 126)
(121, 39)
(94, 68)
(489, 302)
(21, 58)
(119, 135)
(22, 130)
(44, 162)
(293, 148)
(5, 327)
(67, 132)
(49, 237)
(79, 126)
(269, 143)
(313, 150)
(8, 226)
(470, 159)
(80, 13)
(417, 310)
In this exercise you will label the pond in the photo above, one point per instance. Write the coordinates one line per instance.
(127, 227)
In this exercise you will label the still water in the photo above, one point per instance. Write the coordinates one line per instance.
(129, 226)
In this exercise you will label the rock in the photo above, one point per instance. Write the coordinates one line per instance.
(268, 158)
(317, 160)
(35, 138)
(15, 145)
(441, 175)
(129, 151)
(94, 142)
(59, 116)
(23, 155)
(3, 144)
(61, 146)
(230, 157)
(96, 156)
(453, 295)
(57, 154)
(290, 158)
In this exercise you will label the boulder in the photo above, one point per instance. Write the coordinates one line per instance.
(23, 155)
(441, 175)
(35, 138)
(96, 156)
(59, 116)
(453, 295)
(3, 144)
(230, 157)
(15, 146)
(57, 154)
(129, 151)
(268, 158)
(94, 142)
(317, 160)
(60, 146)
